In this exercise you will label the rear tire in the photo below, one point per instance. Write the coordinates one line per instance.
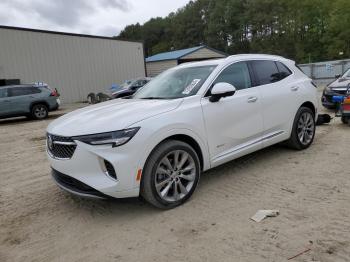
(304, 129)
(39, 112)
(345, 120)
(91, 98)
(171, 174)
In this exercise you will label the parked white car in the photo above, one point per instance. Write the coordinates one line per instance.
(187, 120)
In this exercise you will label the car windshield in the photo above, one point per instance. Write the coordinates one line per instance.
(176, 83)
(347, 74)
(126, 84)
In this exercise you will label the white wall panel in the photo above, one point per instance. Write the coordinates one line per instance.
(75, 65)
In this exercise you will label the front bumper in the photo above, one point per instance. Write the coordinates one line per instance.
(74, 186)
(327, 98)
(327, 101)
(85, 173)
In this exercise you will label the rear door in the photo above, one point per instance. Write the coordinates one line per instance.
(279, 98)
(21, 98)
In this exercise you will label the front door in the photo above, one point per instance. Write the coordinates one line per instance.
(234, 124)
(4, 102)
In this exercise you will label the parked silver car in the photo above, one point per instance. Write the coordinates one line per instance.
(337, 88)
(27, 100)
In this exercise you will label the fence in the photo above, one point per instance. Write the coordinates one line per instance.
(325, 72)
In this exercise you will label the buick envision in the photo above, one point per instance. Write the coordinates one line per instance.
(187, 120)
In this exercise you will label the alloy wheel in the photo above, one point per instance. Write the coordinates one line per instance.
(306, 128)
(175, 175)
(40, 112)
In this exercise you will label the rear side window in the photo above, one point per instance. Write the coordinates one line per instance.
(237, 75)
(284, 71)
(24, 90)
(3, 92)
(266, 71)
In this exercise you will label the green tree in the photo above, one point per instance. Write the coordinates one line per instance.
(301, 30)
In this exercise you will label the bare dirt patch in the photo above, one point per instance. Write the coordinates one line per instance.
(39, 222)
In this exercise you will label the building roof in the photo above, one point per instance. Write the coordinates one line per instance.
(175, 55)
(64, 33)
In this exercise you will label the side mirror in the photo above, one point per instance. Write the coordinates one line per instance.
(221, 90)
(337, 76)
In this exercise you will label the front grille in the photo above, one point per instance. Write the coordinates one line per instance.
(341, 92)
(60, 147)
(110, 169)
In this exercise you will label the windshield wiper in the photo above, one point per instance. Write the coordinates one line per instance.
(154, 97)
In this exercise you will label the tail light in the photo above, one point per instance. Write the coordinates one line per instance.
(346, 104)
(54, 93)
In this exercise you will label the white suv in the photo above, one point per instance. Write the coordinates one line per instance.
(185, 121)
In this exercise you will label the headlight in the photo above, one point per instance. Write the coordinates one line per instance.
(328, 89)
(116, 138)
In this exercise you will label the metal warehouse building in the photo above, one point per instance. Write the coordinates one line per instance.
(74, 64)
(160, 62)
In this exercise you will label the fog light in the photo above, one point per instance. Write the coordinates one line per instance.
(110, 170)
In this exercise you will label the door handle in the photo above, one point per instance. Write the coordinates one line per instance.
(6, 100)
(252, 99)
(294, 88)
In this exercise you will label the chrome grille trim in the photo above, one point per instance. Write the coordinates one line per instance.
(59, 147)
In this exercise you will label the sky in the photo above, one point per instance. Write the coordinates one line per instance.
(95, 17)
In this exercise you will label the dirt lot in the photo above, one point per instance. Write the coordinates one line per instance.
(39, 222)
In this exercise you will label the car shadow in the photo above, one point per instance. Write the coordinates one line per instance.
(112, 207)
(20, 120)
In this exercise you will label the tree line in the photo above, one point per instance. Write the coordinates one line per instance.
(303, 30)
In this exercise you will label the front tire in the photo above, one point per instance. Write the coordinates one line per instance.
(171, 174)
(345, 120)
(303, 131)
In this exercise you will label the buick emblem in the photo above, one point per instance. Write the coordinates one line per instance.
(49, 142)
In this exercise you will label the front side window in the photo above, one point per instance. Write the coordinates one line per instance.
(237, 75)
(176, 83)
(266, 72)
(3, 92)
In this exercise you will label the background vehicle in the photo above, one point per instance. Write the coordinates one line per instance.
(130, 87)
(28, 100)
(188, 119)
(336, 88)
(343, 106)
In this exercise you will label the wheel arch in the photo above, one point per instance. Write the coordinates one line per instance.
(184, 135)
(190, 141)
(39, 102)
(311, 106)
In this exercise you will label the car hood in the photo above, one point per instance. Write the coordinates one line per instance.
(121, 91)
(341, 83)
(109, 116)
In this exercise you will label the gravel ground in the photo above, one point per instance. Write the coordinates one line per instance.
(39, 222)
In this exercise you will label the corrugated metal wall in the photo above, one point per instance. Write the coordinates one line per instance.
(325, 70)
(203, 53)
(75, 65)
(155, 68)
